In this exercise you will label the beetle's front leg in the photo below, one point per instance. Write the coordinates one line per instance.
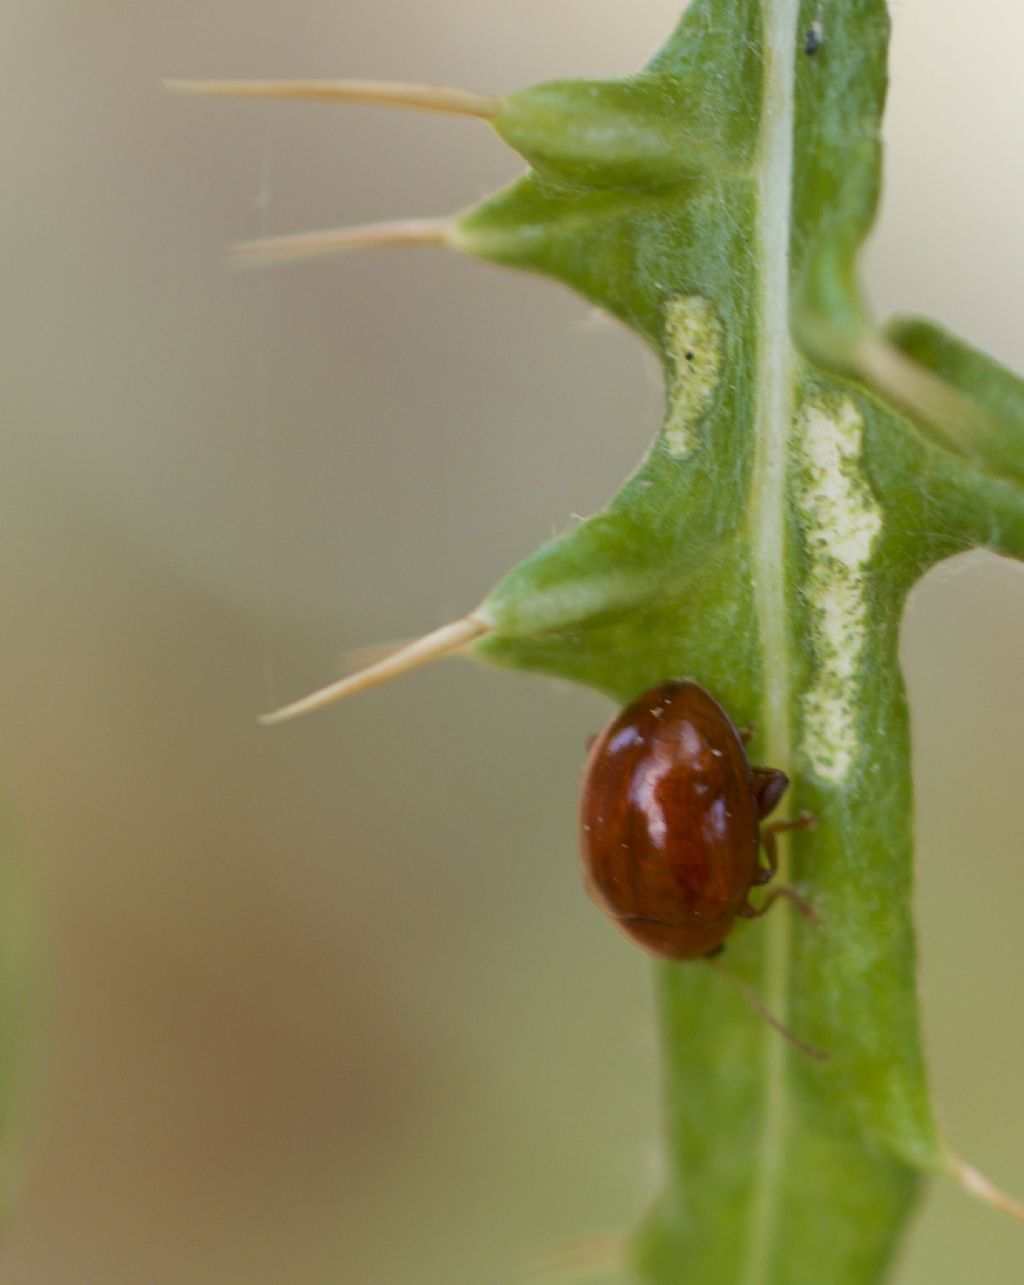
(805, 821)
(800, 903)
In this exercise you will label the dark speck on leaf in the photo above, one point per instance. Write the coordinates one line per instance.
(813, 42)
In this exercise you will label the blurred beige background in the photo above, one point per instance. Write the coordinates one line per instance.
(326, 1004)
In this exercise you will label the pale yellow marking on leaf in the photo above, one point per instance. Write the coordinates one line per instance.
(696, 341)
(841, 523)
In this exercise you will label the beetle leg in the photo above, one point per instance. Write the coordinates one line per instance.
(771, 852)
(746, 734)
(800, 903)
(771, 848)
(803, 821)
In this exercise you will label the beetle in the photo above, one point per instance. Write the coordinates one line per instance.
(670, 823)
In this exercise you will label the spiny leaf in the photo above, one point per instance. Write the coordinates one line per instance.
(808, 472)
(810, 469)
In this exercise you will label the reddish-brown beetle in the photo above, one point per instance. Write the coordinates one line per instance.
(670, 823)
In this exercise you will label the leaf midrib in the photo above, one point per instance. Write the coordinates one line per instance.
(773, 419)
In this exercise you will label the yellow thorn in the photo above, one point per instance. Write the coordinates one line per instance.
(432, 646)
(365, 236)
(361, 657)
(978, 1185)
(384, 93)
(601, 1252)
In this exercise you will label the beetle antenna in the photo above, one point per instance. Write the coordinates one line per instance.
(432, 646)
(759, 1007)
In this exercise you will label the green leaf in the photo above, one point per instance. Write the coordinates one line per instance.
(809, 470)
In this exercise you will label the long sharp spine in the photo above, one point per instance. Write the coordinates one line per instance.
(365, 236)
(433, 646)
(383, 93)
